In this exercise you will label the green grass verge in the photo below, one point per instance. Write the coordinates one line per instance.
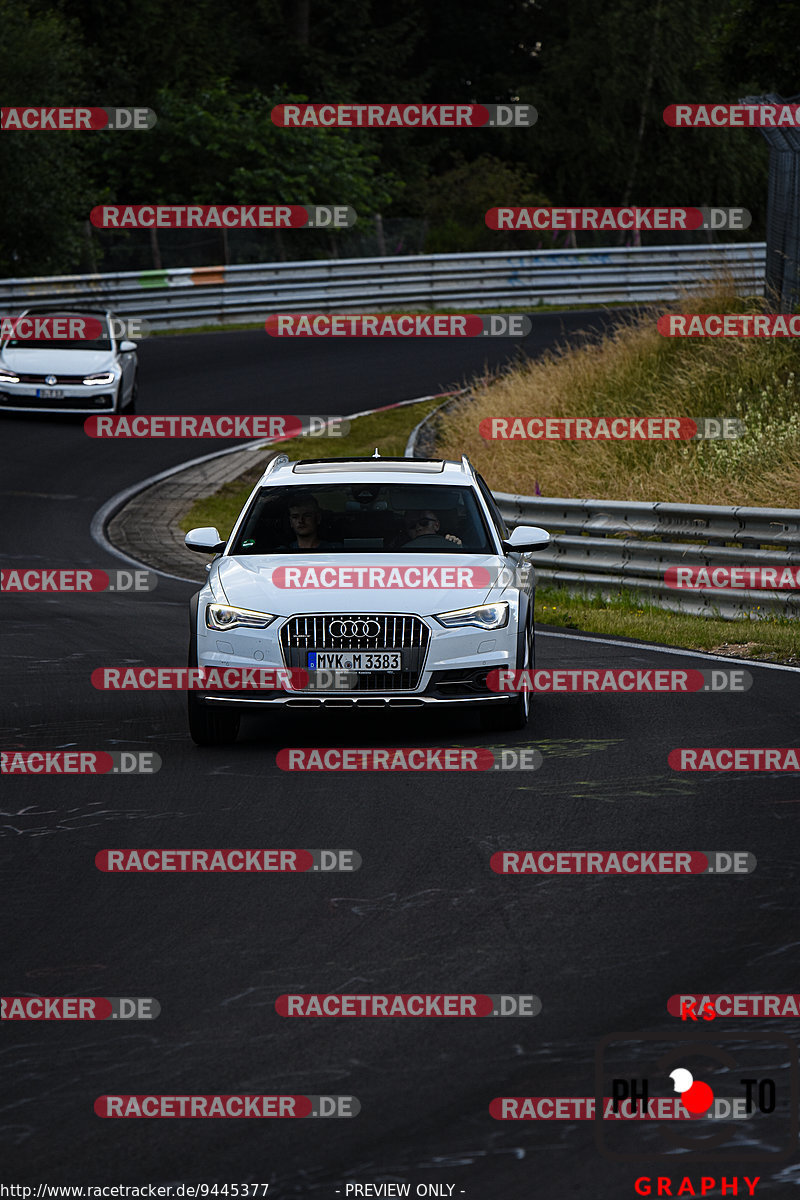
(633, 371)
(772, 639)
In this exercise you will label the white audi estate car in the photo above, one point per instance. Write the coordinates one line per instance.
(40, 373)
(400, 574)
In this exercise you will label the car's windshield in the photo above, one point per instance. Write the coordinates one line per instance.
(37, 329)
(402, 518)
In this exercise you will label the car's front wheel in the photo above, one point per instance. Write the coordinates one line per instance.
(516, 713)
(210, 725)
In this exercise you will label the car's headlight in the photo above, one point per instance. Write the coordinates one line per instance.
(487, 616)
(102, 379)
(7, 376)
(222, 616)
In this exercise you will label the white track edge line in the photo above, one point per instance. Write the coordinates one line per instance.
(745, 662)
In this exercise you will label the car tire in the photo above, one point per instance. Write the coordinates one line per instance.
(514, 715)
(211, 726)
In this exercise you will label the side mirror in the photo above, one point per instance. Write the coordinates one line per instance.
(126, 347)
(527, 537)
(206, 540)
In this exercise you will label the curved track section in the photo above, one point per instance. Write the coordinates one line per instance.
(424, 913)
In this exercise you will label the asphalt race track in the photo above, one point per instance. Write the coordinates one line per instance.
(425, 912)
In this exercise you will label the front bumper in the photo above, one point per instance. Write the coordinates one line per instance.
(349, 700)
(452, 674)
(77, 399)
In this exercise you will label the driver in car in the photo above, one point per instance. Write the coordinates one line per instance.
(305, 518)
(425, 525)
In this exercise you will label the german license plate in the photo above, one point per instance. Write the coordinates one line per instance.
(355, 660)
(50, 393)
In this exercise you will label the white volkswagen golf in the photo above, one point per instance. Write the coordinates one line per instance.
(400, 573)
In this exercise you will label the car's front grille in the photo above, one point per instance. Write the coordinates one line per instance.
(361, 631)
(61, 380)
(368, 631)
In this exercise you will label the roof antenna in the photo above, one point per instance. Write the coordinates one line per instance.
(376, 455)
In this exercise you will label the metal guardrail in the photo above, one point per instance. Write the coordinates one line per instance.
(184, 296)
(606, 546)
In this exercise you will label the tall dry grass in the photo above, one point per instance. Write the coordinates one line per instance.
(634, 371)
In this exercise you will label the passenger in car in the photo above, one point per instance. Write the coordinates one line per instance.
(425, 524)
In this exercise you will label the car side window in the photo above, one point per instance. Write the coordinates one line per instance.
(497, 517)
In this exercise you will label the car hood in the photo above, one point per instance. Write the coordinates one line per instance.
(58, 362)
(248, 583)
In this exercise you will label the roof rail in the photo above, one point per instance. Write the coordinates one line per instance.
(467, 466)
(280, 460)
(399, 458)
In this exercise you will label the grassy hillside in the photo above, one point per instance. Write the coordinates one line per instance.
(634, 371)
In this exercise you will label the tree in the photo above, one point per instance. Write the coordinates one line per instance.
(758, 47)
(456, 204)
(607, 73)
(43, 175)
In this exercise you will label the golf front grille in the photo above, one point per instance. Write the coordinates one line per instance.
(361, 631)
(60, 380)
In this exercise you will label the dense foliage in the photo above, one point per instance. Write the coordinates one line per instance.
(600, 75)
